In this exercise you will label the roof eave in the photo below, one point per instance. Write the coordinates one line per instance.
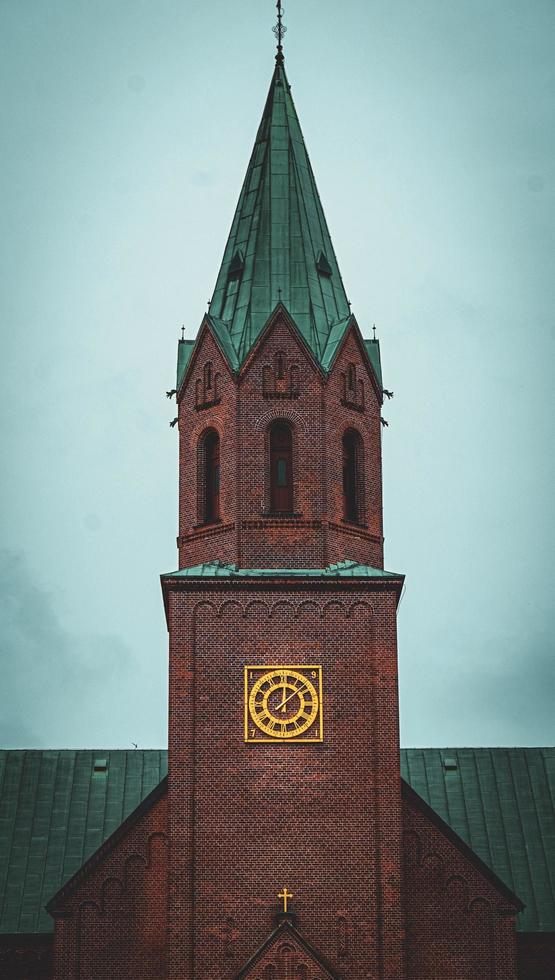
(411, 796)
(52, 906)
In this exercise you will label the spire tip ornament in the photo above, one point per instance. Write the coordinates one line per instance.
(279, 31)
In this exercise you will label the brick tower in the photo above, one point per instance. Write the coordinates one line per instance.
(283, 724)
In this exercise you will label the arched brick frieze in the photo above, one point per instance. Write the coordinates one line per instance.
(282, 606)
(308, 608)
(250, 608)
(230, 609)
(365, 607)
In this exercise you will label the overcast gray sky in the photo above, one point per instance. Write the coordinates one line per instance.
(127, 128)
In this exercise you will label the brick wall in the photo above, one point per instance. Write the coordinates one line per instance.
(459, 926)
(316, 533)
(113, 921)
(246, 819)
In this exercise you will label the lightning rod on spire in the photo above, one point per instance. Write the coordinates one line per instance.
(279, 31)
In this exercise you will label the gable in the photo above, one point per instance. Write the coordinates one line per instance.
(281, 332)
(285, 953)
(500, 801)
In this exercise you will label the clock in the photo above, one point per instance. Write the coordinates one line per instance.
(283, 703)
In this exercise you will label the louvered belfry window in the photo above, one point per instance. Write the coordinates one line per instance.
(281, 468)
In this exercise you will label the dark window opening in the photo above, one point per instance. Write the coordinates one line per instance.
(209, 476)
(352, 477)
(208, 375)
(280, 365)
(352, 377)
(281, 468)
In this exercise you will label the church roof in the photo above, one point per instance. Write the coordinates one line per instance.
(57, 806)
(279, 246)
(341, 569)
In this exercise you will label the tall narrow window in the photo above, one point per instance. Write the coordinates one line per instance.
(353, 470)
(209, 477)
(281, 468)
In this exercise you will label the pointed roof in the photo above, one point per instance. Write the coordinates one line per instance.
(279, 246)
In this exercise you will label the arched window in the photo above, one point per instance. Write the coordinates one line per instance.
(353, 477)
(351, 376)
(281, 468)
(280, 364)
(209, 477)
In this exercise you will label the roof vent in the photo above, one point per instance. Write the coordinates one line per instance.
(450, 764)
(236, 265)
(323, 266)
(100, 765)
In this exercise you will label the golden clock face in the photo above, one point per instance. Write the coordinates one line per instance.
(283, 702)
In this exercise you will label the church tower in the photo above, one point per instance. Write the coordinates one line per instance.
(283, 844)
(283, 726)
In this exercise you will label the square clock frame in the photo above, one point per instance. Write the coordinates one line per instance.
(283, 703)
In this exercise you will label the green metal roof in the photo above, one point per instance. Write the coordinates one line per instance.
(342, 569)
(502, 803)
(279, 250)
(55, 811)
(373, 351)
(184, 351)
(279, 246)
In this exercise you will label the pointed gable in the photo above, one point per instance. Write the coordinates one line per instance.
(286, 953)
(279, 246)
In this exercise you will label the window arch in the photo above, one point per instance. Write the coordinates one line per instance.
(281, 468)
(353, 477)
(208, 459)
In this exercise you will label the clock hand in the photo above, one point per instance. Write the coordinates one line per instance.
(284, 693)
(298, 690)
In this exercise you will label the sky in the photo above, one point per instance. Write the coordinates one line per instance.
(127, 129)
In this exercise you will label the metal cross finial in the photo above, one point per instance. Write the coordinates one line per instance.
(374, 329)
(279, 31)
(279, 293)
(183, 331)
(285, 895)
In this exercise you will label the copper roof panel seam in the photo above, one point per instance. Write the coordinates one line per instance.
(27, 763)
(494, 864)
(479, 837)
(546, 864)
(517, 760)
(51, 784)
(15, 810)
(466, 800)
(519, 831)
(53, 871)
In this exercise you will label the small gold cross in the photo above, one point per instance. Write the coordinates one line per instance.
(285, 895)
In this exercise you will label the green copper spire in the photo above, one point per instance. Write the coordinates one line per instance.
(279, 247)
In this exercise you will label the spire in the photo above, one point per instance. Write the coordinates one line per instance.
(279, 248)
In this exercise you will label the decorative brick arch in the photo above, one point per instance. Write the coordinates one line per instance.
(294, 418)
